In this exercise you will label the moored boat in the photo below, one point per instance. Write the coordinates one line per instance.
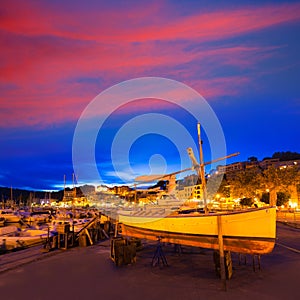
(2, 221)
(10, 216)
(36, 217)
(251, 231)
(74, 223)
(15, 238)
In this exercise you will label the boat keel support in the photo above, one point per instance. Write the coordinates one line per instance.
(159, 254)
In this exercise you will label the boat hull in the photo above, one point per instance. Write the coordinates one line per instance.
(16, 242)
(12, 218)
(249, 232)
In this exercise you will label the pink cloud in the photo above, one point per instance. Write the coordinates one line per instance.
(140, 23)
(47, 50)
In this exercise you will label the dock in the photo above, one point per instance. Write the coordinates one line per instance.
(88, 273)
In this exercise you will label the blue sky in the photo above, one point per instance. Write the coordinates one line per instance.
(242, 57)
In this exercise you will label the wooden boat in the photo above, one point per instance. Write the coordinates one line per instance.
(10, 216)
(2, 221)
(14, 238)
(250, 231)
(74, 223)
(36, 217)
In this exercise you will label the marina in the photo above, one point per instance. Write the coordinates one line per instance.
(61, 231)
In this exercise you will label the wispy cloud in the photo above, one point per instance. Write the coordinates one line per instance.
(43, 62)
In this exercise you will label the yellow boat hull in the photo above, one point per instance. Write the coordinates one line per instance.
(250, 231)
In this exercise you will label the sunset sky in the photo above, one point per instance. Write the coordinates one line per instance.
(242, 57)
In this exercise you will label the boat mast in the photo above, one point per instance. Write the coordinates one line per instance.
(202, 170)
(64, 187)
(74, 194)
(11, 197)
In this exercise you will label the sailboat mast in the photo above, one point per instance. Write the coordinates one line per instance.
(74, 191)
(202, 170)
(64, 187)
(11, 197)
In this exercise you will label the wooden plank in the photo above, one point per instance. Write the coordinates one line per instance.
(89, 237)
(221, 251)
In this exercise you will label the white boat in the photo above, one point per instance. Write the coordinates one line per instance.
(251, 231)
(2, 221)
(36, 217)
(74, 223)
(10, 216)
(14, 238)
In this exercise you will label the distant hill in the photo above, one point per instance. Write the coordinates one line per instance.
(284, 156)
(21, 195)
(288, 155)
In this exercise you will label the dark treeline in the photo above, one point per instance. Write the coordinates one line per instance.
(25, 195)
(285, 156)
(20, 195)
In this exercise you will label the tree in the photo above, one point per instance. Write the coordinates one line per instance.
(282, 198)
(246, 201)
(288, 155)
(265, 197)
(245, 183)
(217, 184)
(274, 180)
(252, 159)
